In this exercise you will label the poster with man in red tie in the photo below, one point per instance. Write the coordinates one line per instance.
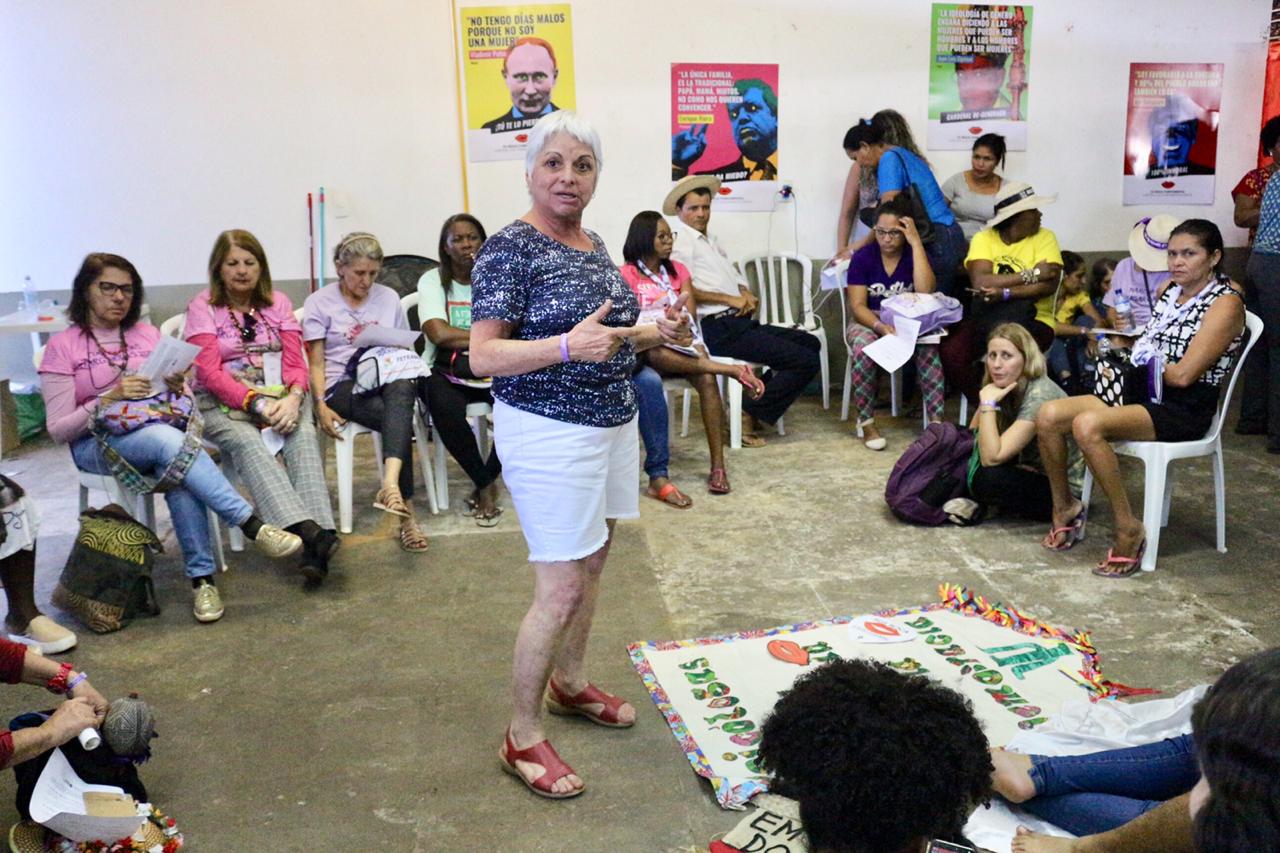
(724, 122)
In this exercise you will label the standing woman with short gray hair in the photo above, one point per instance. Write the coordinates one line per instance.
(552, 322)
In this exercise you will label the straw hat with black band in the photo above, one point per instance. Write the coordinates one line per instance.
(686, 185)
(1013, 197)
(1149, 241)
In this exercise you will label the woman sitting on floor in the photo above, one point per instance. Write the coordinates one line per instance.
(1213, 790)
(87, 370)
(658, 282)
(1169, 394)
(332, 319)
(251, 375)
(1006, 469)
(444, 310)
(895, 263)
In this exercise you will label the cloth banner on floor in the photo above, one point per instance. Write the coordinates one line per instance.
(517, 66)
(978, 74)
(1171, 134)
(724, 122)
(716, 691)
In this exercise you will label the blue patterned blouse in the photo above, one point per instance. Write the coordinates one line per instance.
(545, 288)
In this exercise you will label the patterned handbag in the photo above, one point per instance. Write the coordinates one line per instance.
(125, 416)
(107, 579)
(378, 366)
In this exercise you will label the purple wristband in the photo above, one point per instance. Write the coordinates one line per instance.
(1006, 294)
(564, 347)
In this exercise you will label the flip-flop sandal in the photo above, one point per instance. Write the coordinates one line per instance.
(488, 519)
(543, 753)
(391, 502)
(412, 539)
(718, 482)
(562, 704)
(666, 492)
(1074, 531)
(1120, 567)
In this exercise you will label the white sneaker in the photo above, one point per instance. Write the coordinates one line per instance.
(962, 511)
(208, 603)
(46, 635)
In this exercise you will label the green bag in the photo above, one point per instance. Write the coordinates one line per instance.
(107, 579)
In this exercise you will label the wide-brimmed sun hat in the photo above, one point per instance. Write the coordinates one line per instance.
(30, 837)
(1014, 197)
(686, 185)
(1149, 241)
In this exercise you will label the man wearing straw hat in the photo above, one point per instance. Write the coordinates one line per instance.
(726, 309)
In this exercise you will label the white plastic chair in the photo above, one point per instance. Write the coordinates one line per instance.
(141, 507)
(672, 388)
(773, 275)
(1156, 455)
(895, 378)
(478, 414)
(345, 461)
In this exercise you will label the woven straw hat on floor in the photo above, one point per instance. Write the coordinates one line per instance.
(29, 836)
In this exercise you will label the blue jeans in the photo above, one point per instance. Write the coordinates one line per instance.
(149, 450)
(653, 422)
(1089, 794)
(945, 254)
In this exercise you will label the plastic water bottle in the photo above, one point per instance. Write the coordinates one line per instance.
(30, 299)
(1124, 312)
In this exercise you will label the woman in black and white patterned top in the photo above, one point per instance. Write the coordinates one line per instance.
(1188, 349)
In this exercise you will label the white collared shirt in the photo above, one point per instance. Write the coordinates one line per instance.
(708, 264)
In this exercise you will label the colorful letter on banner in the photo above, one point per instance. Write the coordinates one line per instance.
(517, 66)
(1171, 137)
(978, 81)
(724, 122)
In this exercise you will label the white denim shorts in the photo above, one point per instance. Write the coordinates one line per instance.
(566, 480)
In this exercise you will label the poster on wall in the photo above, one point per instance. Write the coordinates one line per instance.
(724, 122)
(978, 76)
(517, 66)
(1171, 134)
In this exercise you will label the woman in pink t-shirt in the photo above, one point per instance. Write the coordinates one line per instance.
(659, 281)
(92, 364)
(251, 376)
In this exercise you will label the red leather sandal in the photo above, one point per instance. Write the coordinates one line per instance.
(540, 753)
(558, 702)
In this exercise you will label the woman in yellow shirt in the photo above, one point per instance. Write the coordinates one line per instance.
(1073, 317)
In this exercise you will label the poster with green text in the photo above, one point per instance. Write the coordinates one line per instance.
(978, 80)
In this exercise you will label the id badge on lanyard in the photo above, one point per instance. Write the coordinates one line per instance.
(273, 368)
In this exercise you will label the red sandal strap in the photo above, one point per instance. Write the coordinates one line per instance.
(543, 753)
(590, 695)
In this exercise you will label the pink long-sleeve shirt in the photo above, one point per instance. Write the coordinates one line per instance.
(75, 370)
(222, 348)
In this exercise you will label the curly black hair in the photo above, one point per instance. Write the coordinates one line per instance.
(879, 760)
(1236, 728)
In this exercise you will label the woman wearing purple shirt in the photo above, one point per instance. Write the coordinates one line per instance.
(895, 263)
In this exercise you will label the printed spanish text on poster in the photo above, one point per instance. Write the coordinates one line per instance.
(978, 74)
(724, 122)
(1171, 134)
(517, 66)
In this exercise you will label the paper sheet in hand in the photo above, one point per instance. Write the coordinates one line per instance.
(1127, 333)
(169, 357)
(386, 336)
(72, 807)
(833, 275)
(893, 351)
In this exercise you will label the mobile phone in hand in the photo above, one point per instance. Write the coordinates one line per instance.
(937, 845)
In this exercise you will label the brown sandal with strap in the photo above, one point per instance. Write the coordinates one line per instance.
(389, 499)
(412, 539)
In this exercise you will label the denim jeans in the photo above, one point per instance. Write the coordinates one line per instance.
(945, 254)
(1089, 794)
(149, 450)
(654, 426)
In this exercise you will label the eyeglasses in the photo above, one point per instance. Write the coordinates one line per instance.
(887, 232)
(671, 236)
(249, 329)
(110, 288)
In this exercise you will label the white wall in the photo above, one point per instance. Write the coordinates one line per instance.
(146, 127)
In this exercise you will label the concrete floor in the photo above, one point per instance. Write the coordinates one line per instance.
(366, 715)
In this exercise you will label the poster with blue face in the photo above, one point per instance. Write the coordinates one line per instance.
(724, 122)
(1171, 136)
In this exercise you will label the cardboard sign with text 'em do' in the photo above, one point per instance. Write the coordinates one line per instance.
(774, 827)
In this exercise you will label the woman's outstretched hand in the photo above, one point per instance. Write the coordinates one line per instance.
(592, 340)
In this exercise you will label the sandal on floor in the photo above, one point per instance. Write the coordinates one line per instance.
(390, 500)
(1120, 567)
(669, 495)
(543, 753)
(489, 518)
(1074, 531)
(412, 539)
(718, 482)
(558, 702)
